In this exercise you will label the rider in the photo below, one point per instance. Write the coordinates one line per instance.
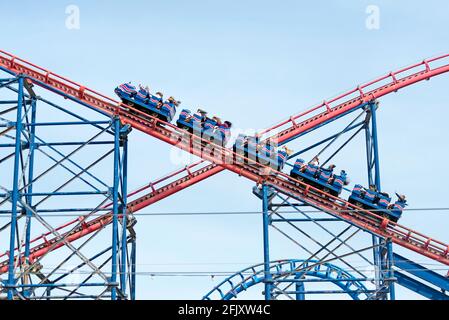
(315, 161)
(143, 93)
(159, 99)
(283, 156)
(371, 193)
(200, 115)
(225, 131)
(217, 120)
(312, 167)
(327, 174)
(339, 180)
(227, 125)
(399, 204)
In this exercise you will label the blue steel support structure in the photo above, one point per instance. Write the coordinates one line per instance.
(133, 269)
(274, 280)
(124, 218)
(266, 243)
(15, 190)
(119, 237)
(67, 172)
(300, 289)
(379, 254)
(426, 282)
(116, 126)
(334, 248)
(382, 251)
(29, 199)
(292, 271)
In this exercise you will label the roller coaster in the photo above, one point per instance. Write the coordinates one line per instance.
(36, 254)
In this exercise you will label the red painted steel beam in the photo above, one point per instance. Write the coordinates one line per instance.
(377, 88)
(176, 186)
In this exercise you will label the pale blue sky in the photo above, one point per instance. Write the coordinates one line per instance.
(254, 63)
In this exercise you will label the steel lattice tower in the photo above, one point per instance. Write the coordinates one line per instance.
(47, 176)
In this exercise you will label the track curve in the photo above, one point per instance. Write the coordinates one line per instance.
(232, 286)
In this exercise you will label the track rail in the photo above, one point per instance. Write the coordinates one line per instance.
(219, 156)
(241, 281)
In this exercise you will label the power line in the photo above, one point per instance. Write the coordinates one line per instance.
(436, 209)
(217, 273)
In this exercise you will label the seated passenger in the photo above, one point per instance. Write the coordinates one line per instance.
(300, 165)
(217, 120)
(339, 180)
(185, 115)
(200, 116)
(384, 200)
(209, 125)
(371, 194)
(225, 131)
(282, 156)
(228, 124)
(169, 106)
(315, 161)
(312, 167)
(142, 94)
(326, 174)
(212, 129)
(216, 128)
(156, 100)
(400, 204)
(358, 191)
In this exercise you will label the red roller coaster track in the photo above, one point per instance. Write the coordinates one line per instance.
(295, 125)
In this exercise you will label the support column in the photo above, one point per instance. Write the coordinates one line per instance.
(15, 192)
(390, 269)
(29, 189)
(115, 217)
(132, 288)
(300, 289)
(266, 244)
(124, 192)
(372, 149)
(375, 145)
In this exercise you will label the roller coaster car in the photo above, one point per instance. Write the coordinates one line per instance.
(209, 130)
(251, 148)
(144, 101)
(379, 202)
(319, 178)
